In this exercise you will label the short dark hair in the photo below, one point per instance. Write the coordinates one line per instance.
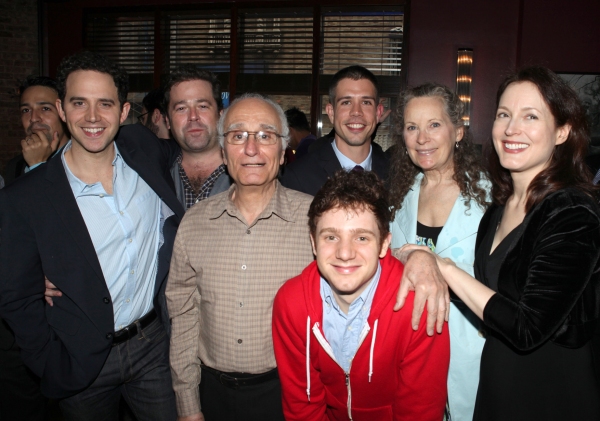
(567, 166)
(154, 101)
(297, 119)
(89, 60)
(352, 191)
(32, 80)
(189, 72)
(354, 73)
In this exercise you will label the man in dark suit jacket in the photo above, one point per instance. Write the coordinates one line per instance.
(99, 222)
(354, 110)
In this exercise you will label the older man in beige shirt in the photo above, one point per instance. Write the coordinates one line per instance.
(232, 253)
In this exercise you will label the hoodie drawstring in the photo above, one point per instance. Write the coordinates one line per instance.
(372, 348)
(308, 357)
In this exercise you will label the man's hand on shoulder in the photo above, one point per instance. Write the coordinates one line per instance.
(195, 417)
(421, 274)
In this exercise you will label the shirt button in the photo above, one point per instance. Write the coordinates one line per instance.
(241, 304)
(127, 300)
(121, 212)
(101, 195)
(243, 267)
(106, 300)
(109, 336)
(247, 231)
(130, 240)
(239, 341)
(132, 272)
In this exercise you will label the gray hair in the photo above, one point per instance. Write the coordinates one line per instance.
(284, 132)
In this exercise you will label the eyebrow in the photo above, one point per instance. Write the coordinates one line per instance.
(353, 231)
(198, 100)
(240, 126)
(78, 98)
(352, 96)
(26, 104)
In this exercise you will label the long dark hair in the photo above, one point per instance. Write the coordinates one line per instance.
(468, 169)
(567, 166)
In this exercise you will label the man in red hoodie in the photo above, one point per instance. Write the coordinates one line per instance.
(341, 350)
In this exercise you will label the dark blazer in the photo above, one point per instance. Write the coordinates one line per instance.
(44, 233)
(549, 281)
(309, 173)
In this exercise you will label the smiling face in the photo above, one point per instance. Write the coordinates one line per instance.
(348, 246)
(354, 114)
(252, 164)
(525, 132)
(193, 115)
(429, 134)
(92, 111)
(39, 112)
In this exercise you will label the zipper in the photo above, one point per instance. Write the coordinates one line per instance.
(327, 348)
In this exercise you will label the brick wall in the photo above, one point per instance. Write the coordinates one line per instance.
(18, 58)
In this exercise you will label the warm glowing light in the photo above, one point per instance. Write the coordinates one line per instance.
(464, 66)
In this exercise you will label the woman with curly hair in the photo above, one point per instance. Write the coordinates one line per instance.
(439, 191)
(537, 259)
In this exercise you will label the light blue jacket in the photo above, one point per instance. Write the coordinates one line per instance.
(457, 242)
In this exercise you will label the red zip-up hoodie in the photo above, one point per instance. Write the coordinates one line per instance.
(396, 373)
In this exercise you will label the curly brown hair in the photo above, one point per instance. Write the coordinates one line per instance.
(352, 191)
(468, 168)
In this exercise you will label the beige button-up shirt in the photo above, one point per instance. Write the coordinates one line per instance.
(224, 277)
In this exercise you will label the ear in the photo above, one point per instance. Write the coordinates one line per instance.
(282, 158)
(312, 242)
(61, 112)
(167, 122)
(460, 133)
(124, 112)
(379, 112)
(224, 155)
(385, 245)
(562, 133)
(330, 112)
(156, 116)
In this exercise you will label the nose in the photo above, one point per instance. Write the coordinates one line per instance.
(512, 127)
(92, 116)
(251, 145)
(36, 115)
(345, 250)
(193, 114)
(356, 108)
(422, 137)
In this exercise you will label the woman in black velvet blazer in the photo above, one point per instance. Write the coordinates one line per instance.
(537, 259)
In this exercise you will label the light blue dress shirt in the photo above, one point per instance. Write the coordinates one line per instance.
(342, 331)
(349, 164)
(124, 228)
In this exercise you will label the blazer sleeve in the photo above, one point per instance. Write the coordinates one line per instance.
(300, 400)
(564, 256)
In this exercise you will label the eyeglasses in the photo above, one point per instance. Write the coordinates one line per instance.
(239, 137)
(141, 117)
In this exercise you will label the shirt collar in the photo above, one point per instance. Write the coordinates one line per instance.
(349, 164)
(79, 187)
(280, 205)
(365, 298)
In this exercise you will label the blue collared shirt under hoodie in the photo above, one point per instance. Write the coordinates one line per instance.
(124, 228)
(342, 331)
(349, 164)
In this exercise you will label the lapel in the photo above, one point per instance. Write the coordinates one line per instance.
(328, 161)
(407, 220)
(61, 198)
(150, 172)
(379, 163)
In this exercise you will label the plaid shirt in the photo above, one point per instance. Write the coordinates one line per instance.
(223, 280)
(191, 198)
